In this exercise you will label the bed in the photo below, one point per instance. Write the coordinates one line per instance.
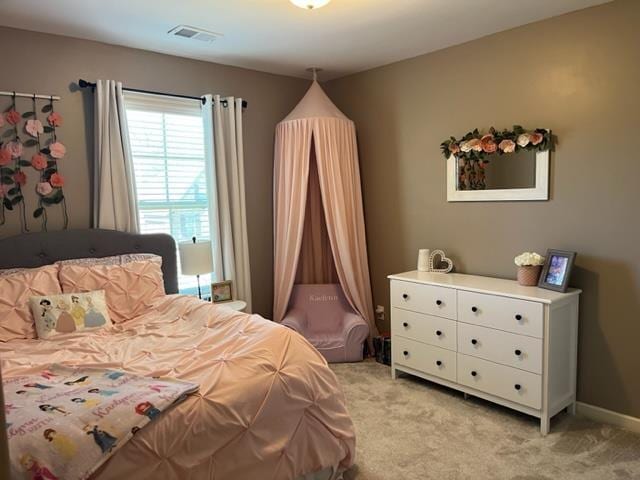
(268, 406)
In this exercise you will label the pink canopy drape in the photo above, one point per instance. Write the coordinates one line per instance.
(318, 124)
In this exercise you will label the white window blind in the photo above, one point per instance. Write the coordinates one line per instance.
(172, 183)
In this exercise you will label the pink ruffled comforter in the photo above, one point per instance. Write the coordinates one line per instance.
(268, 406)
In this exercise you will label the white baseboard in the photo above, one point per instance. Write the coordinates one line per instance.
(607, 416)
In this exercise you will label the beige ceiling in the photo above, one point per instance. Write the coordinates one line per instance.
(344, 37)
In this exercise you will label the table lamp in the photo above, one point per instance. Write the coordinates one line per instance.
(196, 258)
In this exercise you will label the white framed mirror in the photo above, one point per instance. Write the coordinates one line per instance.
(518, 176)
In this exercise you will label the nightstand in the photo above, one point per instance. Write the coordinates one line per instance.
(238, 305)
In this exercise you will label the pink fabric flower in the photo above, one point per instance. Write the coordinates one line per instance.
(34, 128)
(454, 148)
(507, 146)
(55, 119)
(5, 156)
(44, 188)
(15, 148)
(536, 138)
(13, 117)
(56, 180)
(58, 150)
(20, 178)
(488, 145)
(475, 144)
(38, 161)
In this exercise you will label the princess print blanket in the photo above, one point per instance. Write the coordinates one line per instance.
(63, 423)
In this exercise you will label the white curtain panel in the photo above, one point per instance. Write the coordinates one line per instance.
(228, 213)
(114, 204)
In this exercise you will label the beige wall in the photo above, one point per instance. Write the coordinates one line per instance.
(48, 64)
(579, 75)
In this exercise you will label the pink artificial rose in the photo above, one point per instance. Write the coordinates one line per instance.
(488, 145)
(44, 188)
(38, 161)
(13, 117)
(15, 148)
(536, 138)
(475, 144)
(56, 180)
(34, 128)
(507, 146)
(57, 149)
(454, 148)
(20, 178)
(55, 119)
(5, 156)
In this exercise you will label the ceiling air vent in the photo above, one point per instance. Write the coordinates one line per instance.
(194, 33)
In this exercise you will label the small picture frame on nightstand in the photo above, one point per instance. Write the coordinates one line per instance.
(221, 292)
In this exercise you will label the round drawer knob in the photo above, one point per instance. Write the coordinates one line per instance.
(517, 386)
(438, 333)
(405, 353)
(405, 324)
(518, 352)
(474, 373)
(438, 302)
(474, 309)
(474, 341)
(405, 296)
(438, 363)
(518, 317)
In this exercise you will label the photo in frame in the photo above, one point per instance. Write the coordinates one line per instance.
(221, 292)
(556, 271)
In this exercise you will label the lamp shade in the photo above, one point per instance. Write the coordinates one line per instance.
(195, 258)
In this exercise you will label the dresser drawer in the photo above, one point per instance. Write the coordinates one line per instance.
(426, 358)
(517, 351)
(437, 331)
(510, 383)
(509, 314)
(429, 299)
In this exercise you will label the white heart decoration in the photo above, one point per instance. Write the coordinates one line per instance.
(443, 258)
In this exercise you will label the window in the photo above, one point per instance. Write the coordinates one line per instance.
(171, 176)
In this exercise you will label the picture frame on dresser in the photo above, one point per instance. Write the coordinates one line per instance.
(556, 270)
(489, 338)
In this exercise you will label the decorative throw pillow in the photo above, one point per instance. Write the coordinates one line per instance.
(16, 321)
(69, 312)
(130, 289)
(10, 271)
(113, 260)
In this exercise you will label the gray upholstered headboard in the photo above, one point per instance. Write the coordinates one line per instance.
(37, 249)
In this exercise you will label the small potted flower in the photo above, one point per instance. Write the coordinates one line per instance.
(529, 268)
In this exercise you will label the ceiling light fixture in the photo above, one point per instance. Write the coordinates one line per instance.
(310, 4)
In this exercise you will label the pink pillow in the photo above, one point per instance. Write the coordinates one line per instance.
(130, 289)
(16, 320)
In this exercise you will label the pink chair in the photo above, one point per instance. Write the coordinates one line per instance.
(322, 314)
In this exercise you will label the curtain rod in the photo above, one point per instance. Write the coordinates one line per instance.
(84, 84)
(30, 95)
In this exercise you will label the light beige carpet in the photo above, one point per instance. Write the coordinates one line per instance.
(413, 429)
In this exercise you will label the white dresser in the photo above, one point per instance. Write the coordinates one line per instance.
(488, 337)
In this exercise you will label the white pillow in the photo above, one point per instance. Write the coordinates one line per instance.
(69, 312)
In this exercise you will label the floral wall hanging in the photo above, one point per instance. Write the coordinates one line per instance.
(41, 151)
(472, 149)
